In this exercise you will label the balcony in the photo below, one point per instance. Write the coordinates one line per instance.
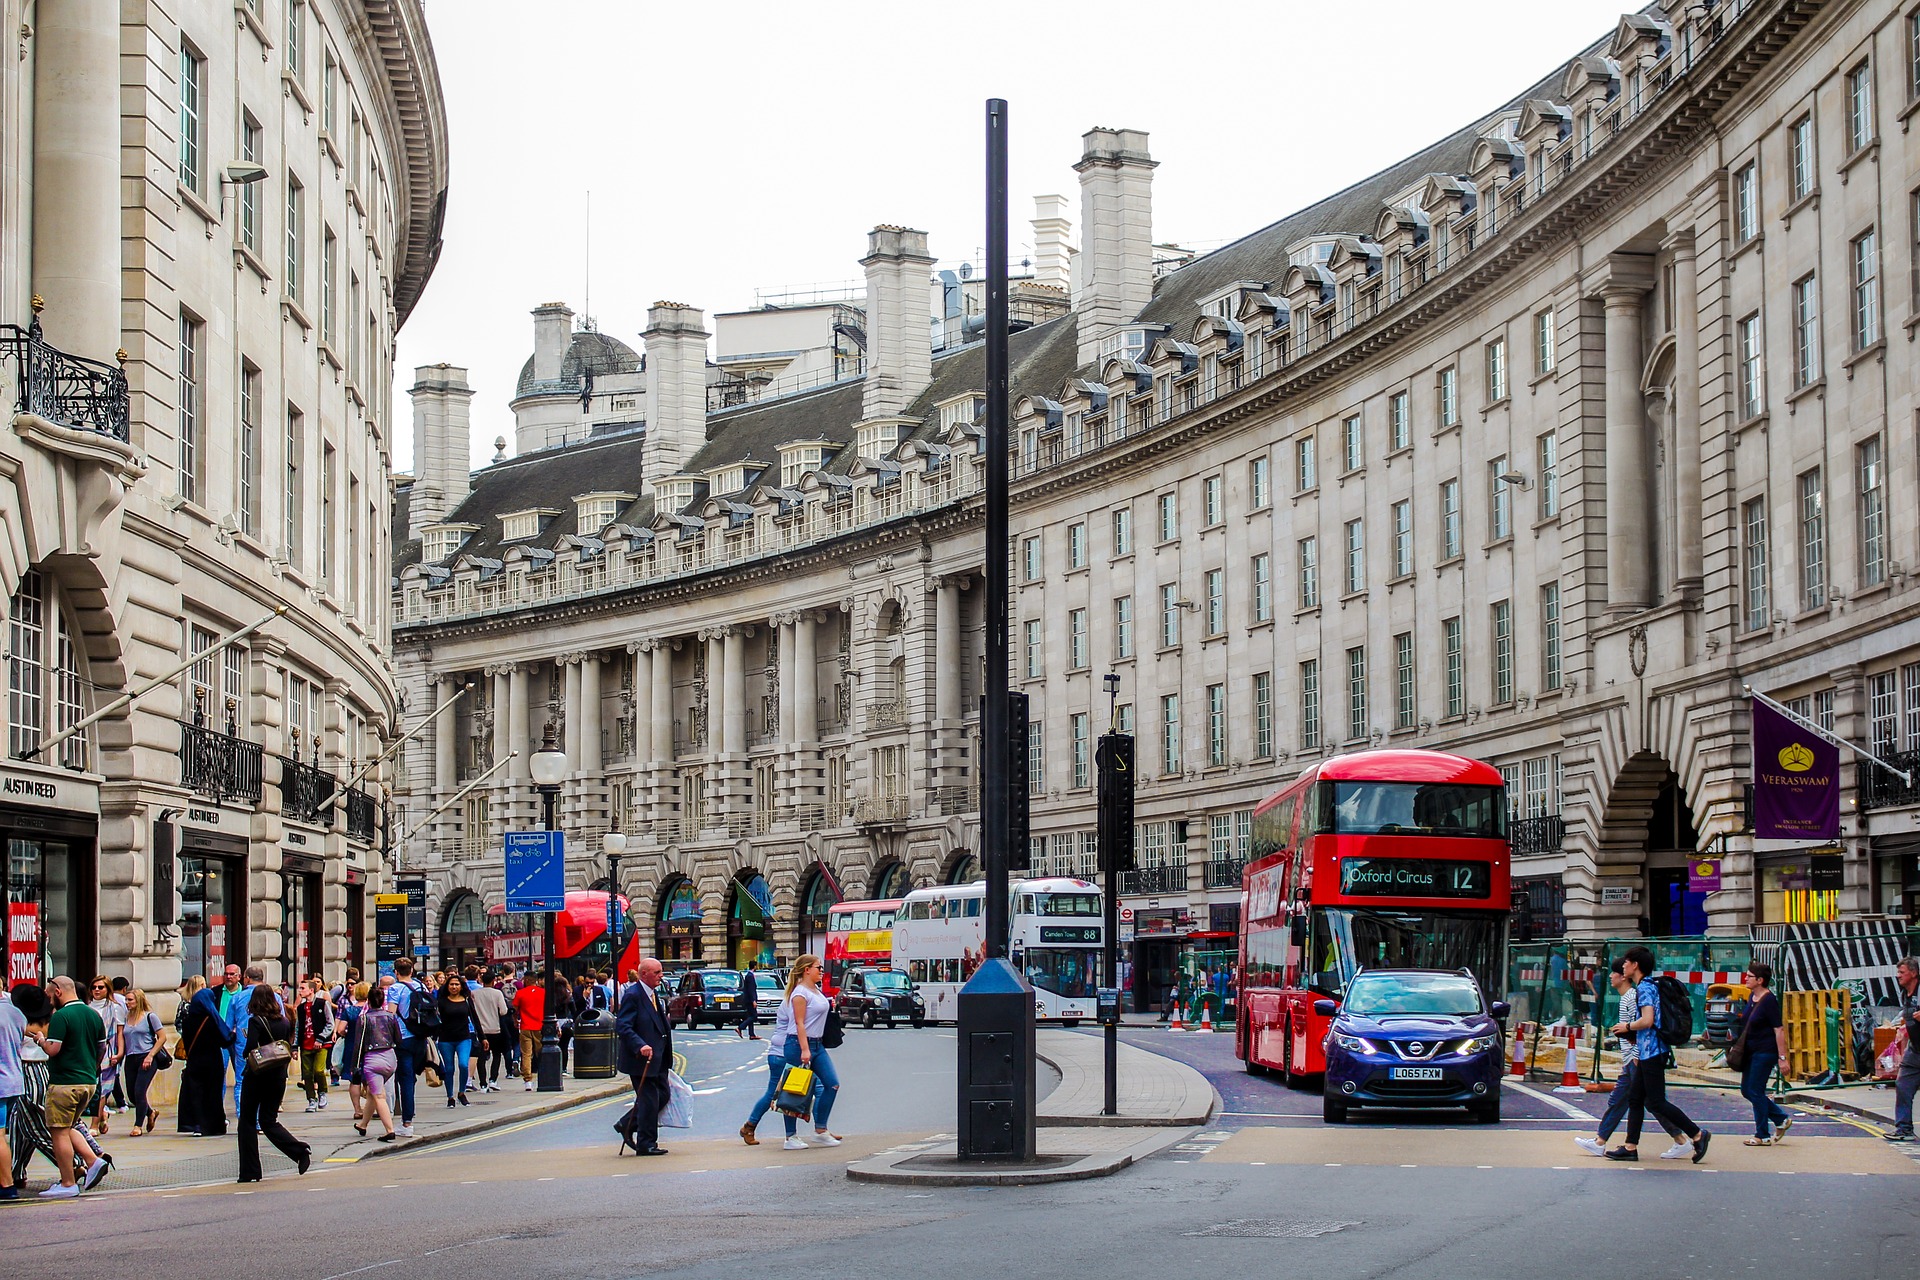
(886, 713)
(880, 811)
(306, 791)
(1531, 837)
(363, 816)
(1881, 790)
(956, 801)
(1224, 873)
(69, 391)
(1154, 880)
(219, 766)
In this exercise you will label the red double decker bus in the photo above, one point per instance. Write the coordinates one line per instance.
(858, 934)
(1372, 860)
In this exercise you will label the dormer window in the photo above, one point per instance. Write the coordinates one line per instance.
(796, 460)
(595, 511)
(877, 439)
(961, 410)
(1127, 344)
(1312, 252)
(438, 542)
(676, 493)
(726, 480)
(517, 525)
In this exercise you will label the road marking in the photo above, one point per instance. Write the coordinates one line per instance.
(1259, 1163)
(340, 1160)
(1409, 1166)
(243, 1193)
(702, 1093)
(374, 1266)
(1563, 1168)
(1565, 1108)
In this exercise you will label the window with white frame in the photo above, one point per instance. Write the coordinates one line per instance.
(44, 682)
(1170, 733)
(1453, 651)
(193, 83)
(1035, 649)
(1547, 458)
(1404, 706)
(1399, 424)
(1259, 484)
(1032, 566)
(1544, 357)
(1746, 202)
(1123, 627)
(1449, 520)
(1352, 444)
(1036, 758)
(1448, 397)
(1500, 500)
(296, 236)
(1216, 602)
(1082, 729)
(1866, 291)
(1551, 673)
(1168, 505)
(1308, 562)
(1356, 693)
(1077, 657)
(796, 461)
(1356, 537)
(1753, 525)
(1872, 481)
(1310, 705)
(1502, 652)
(1859, 107)
(1800, 156)
(1750, 354)
(1169, 616)
(1496, 358)
(192, 406)
(595, 511)
(1123, 532)
(1305, 473)
(1263, 715)
(1263, 588)
(1813, 541)
(1210, 501)
(1077, 545)
(1402, 517)
(1216, 726)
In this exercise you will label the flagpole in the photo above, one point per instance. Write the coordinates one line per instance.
(1830, 736)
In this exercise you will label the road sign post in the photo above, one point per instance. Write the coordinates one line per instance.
(1113, 757)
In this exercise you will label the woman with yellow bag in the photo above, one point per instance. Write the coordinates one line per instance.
(795, 1046)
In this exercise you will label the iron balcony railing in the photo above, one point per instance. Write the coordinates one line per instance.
(1530, 836)
(954, 801)
(1882, 790)
(71, 391)
(363, 816)
(1155, 880)
(306, 791)
(1224, 873)
(887, 713)
(218, 765)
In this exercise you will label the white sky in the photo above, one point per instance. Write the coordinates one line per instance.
(752, 144)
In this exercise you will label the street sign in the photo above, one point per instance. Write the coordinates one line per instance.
(615, 920)
(536, 871)
(389, 927)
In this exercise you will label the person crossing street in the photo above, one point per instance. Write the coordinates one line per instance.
(646, 1054)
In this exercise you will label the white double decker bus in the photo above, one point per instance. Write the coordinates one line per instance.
(1056, 936)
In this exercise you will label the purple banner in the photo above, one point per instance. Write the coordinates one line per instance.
(1796, 780)
(1703, 875)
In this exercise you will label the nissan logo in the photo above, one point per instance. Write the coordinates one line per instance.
(1416, 1050)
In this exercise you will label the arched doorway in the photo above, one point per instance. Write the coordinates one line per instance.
(964, 868)
(463, 931)
(816, 900)
(750, 921)
(890, 880)
(677, 916)
(1673, 910)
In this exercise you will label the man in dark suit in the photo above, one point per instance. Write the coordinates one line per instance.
(646, 1053)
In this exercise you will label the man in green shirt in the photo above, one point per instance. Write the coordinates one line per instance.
(72, 1041)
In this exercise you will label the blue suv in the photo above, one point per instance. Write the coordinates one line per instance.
(1414, 1038)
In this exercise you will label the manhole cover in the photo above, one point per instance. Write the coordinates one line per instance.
(1269, 1229)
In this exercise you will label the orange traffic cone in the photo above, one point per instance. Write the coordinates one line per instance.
(1519, 1066)
(1570, 1069)
(1206, 1018)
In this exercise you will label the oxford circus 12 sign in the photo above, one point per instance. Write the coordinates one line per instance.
(1796, 780)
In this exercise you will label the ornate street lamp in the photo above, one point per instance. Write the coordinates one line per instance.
(549, 768)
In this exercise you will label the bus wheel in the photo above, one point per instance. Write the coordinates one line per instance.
(1287, 1076)
(1333, 1111)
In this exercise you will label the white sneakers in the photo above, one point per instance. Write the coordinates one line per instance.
(825, 1139)
(312, 1107)
(58, 1192)
(1678, 1151)
(405, 1131)
(791, 1144)
(322, 1105)
(1591, 1146)
(529, 1086)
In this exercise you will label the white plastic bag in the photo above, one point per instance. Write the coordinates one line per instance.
(678, 1113)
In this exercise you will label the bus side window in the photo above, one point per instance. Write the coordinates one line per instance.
(973, 908)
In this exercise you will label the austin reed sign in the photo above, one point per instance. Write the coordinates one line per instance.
(1796, 780)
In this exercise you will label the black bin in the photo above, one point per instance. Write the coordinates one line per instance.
(594, 1049)
(997, 1045)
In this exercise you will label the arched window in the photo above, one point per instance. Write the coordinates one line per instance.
(463, 931)
(891, 881)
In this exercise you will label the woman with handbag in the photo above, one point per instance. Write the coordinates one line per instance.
(146, 1058)
(203, 1073)
(373, 1057)
(456, 1037)
(795, 1042)
(1756, 1052)
(263, 1087)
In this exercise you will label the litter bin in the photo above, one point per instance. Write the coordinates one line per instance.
(593, 1045)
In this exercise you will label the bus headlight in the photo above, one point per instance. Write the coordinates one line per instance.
(1479, 1044)
(1354, 1044)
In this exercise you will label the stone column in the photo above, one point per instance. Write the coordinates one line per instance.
(518, 732)
(502, 696)
(590, 754)
(661, 703)
(1629, 459)
(805, 678)
(1689, 568)
(76, 173)
(642, 659)
(445, 732)
(734, 651)
(946, 646)
(716, 691)
(570, 739)
(782, 625)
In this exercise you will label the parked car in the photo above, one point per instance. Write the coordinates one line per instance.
(705, 995)
(1414, 1038)
(868, 996)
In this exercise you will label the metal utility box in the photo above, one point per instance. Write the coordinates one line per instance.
(997, 1047)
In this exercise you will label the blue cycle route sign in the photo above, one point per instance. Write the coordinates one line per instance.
(536, 871)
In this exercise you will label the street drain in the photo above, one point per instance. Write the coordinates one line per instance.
(1269, 1229)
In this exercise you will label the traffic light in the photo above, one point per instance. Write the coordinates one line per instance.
(1114, 757)
(1019, 852)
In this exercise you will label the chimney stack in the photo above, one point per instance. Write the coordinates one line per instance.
(1116, 233)
(899, 326)
(552, 335)
(441, 477)
(1052, 257)
(676, 339)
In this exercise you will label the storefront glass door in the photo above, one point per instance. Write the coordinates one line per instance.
(43, 904)
(210, 928)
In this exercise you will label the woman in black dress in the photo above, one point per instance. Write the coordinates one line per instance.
(203, 1074)
(264, 1087)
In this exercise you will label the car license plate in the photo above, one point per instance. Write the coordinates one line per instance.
(1414, 1073)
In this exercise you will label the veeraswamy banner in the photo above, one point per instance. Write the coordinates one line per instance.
(1796, 780)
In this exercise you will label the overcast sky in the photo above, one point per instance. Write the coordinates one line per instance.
(751, 145)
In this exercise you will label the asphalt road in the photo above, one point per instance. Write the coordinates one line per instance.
(1267, 1190)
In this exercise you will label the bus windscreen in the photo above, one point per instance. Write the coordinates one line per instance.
(1345, 940)
(1418, 809)
(1069, 904)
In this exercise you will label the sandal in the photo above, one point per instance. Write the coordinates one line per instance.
(1758, 1142)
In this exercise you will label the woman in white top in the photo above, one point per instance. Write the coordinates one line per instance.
(796, 1042)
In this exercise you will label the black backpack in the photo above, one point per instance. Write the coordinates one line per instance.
(1674, 1022)
(423, 1012)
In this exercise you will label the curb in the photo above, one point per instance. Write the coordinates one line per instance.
(885, 1169)
(1044, 1121)
(467, 1128)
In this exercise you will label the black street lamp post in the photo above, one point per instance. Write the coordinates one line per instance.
(549, 768)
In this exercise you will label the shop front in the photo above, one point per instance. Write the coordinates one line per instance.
(1159, 933)
(676, 929)
(750, 922)
(820, 898)
(302, 951)
(1799, 886)
(212, 876)
(51, 825)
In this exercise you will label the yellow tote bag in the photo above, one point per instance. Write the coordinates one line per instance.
(796, 1091)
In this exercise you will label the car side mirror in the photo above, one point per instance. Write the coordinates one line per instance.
(1500, 1010)
(1325, 1008)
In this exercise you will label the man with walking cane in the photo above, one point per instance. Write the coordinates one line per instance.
(646, 1055)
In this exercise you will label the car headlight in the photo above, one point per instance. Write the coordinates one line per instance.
(1353, 1044)
(1479, 1044)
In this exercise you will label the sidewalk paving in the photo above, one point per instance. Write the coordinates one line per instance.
(1150, 1090)
(166, 1159)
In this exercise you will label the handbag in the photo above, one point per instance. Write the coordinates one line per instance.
(678, 1113)
(269, 1053)
(833, 1033)
(795, 1097)
(432, 1075)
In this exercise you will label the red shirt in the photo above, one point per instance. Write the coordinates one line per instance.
(530, 1006)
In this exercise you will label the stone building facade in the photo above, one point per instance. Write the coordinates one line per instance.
(1540, 445)
(215, 217)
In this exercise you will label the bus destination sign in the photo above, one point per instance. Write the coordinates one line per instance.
(1068, 933)
(1412, 878)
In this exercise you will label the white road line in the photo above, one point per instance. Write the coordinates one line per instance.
(372, 1266)
(1564, 1108)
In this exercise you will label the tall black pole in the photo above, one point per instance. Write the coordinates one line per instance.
(549, 1065)
(995, 797)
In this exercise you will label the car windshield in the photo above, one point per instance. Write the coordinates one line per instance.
(1418, 809)
(889, 981)
(1442, 993)
(720, 980)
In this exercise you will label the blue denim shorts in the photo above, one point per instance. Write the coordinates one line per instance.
(6, 1111)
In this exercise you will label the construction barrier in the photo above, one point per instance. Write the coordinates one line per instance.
(1814, 1043)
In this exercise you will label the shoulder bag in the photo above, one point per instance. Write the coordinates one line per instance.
(834, 1033)
(268, 1052)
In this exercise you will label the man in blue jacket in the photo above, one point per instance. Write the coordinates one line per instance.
(234, 996)
(646, 1054)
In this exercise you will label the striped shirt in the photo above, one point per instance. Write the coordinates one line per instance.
(1629, 1012)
